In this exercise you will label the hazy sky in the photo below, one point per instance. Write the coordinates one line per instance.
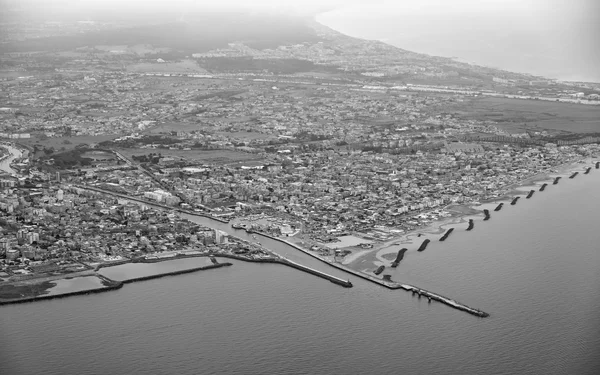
(555, 38)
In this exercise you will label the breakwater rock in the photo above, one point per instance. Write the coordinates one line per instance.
(530, 194)
(443, 238)
(499, 207)
(399, 257)
(514, 201)
(543, 187)
(471, 224)
(424, 245)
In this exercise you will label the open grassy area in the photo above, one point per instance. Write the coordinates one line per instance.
(67, 142)
(517, 115)
(218, 157)
(9, 291)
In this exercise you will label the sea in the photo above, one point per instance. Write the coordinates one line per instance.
(534, 267)
(550, 38)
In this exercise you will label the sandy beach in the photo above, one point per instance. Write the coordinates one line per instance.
(383, 253)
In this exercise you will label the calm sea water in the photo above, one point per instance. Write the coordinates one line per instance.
(535, 267)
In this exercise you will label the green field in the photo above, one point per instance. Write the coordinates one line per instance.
(67, 142)
(517, 115)
(216, 157)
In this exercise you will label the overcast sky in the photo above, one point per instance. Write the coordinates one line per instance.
(556, 38)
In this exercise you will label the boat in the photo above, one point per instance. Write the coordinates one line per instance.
(556, 180)
(574, 175)
(514, 201)
(237, 226)
(543, 187)
(587, 170)
(486, 212)
(598, 165)
(499, 207)
(530, 194)
(443, 238)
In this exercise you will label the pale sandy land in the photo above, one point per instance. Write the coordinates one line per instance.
(354, 256)
(435, 229)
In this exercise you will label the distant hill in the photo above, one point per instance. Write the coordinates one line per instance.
(197, 33)
(243, 42)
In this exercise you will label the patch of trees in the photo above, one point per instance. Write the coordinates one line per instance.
(69, 159)
(150, 158)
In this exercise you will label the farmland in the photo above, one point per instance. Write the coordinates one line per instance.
(216, 157)
(516, 115)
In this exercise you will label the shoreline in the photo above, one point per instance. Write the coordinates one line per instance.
(114, 284)
(109, 284)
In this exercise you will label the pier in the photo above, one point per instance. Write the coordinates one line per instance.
(499, 207)
(387, 283)
(556, 180)
(443, 238)
(543, 187)
(530, 194)
(574, 175)
(450, 302)
(514, 201)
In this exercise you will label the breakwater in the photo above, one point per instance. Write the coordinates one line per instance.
(471, 224)
(587, 170)
(543, 187)
(443, 238)
(387, 283)
(323, 275)
(173, 273)
(448, 301)
(515, 200)
(399, 257)
(499, 207)
(486, 212)
(530, 194)
(556, 180)
(424, 245)
(574, 175)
